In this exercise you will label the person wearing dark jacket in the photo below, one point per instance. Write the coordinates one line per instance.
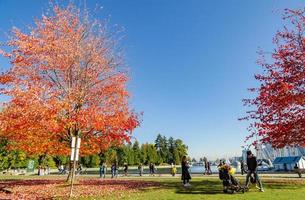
(252, 169)
(185, 172)
(242, 167)
(297, 170)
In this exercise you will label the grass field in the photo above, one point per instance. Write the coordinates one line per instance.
(91, 187)
(211, 188)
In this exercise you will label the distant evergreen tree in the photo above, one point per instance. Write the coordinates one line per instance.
(144, 154)
(171, 150)
(152, 155)
(177, 158)
(94, 160)
(121, 155)
(161, 145)
(158, 142)
(130, 155)
(137, 153)
(181, 147)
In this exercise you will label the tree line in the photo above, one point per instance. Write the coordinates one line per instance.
(162, 151)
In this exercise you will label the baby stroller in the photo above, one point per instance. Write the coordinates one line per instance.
(229, 182)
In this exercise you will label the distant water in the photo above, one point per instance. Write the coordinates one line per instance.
(201, 169)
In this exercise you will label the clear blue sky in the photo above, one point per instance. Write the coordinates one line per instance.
(191, 62)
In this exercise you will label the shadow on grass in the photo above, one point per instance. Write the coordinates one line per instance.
(214, 186)
(201, 187)
(198, 187)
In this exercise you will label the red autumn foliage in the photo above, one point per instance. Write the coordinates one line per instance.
(66, 79)
(279, 114)
(57, 188)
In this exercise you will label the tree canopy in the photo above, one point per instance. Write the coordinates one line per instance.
(66, 79)
(278, 116)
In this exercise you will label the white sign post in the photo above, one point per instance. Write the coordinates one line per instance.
(75, 145)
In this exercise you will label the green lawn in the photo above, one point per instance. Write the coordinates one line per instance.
(131, 188)
(211, 188)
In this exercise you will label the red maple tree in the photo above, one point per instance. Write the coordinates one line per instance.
(66, 79)
(279, 114)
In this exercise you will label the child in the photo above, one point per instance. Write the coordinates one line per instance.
(230, 183)
(174, 170)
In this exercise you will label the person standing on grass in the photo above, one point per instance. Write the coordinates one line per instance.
(39, 170)
(125, 169)
(297, 170)
(79, 169)
(242, 167)
(61, 169)
(103, 170)
(252, 169)
(209, 168)
(205, 165)
(113, 170)
(116, 170)
(173, 170)
(185, 177)
(153, 169)
(140, 168)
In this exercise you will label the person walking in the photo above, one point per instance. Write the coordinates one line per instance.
(185, 177)
(103, 169)
(252, 169)
(116, 170)
(125, 169)
(209, 168)
(242, 167)
(297, 170)
(153, 169)
(205, 166)
(79, 169)
(113, 170)
(61, 169)
(140, 168)
(39, 170)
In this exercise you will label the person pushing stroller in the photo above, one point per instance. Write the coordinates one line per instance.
(229, 182)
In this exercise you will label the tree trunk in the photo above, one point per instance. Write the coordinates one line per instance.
(41, 159)
(69, 174)
(73, 164)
